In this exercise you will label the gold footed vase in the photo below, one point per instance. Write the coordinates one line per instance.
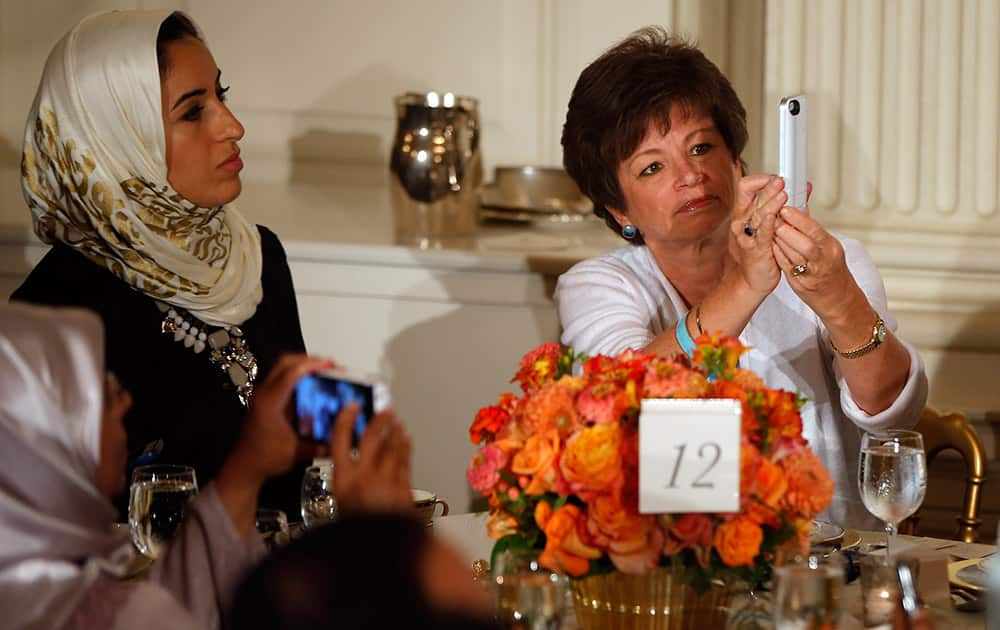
(657, 601)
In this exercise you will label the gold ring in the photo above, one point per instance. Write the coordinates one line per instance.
(799, 270)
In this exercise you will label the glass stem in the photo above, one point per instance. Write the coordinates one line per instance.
(890, 531)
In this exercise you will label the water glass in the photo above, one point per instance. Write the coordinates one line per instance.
(158, 499)
(529, 596)
(808, 593)
(879, 590)
(319, 505)
(272, 525)
(892, 476)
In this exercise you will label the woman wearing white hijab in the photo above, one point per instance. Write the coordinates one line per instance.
(130, 166)
(63, 451)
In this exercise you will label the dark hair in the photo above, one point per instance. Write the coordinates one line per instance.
(630, 86)
(362, 572)
(176, 27)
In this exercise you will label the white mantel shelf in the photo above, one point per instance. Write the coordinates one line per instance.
(355, 224)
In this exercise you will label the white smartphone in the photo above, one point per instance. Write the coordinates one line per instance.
(793, 148)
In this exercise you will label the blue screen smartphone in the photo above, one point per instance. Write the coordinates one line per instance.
(793, 149)
(320, 397)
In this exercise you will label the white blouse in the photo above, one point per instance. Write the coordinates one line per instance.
(622, 300)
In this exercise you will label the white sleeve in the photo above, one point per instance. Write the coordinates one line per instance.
(905, 411)
(600, 308)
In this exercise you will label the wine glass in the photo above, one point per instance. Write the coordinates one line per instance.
(528, 596)
(892, 476)
(319, 505)
(158, 499)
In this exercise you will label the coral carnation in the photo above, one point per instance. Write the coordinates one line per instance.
(666, 379)
(538, 367)
(810, 488)
(552, 407)
(484, 470)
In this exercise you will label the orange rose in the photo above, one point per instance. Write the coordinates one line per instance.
(564, 548)
(810, 488)
(537, 460)
(592, 462)
(738, 542)
(689, 531)
(634, 541)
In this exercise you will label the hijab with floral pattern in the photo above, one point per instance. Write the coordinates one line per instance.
(94, 175)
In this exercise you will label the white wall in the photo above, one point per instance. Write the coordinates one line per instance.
(314, 81)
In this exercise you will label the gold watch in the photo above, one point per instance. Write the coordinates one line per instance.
(878, 336)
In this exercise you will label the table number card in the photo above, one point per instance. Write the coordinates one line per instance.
(689, 456)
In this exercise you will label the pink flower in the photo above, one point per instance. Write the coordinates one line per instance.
(484, 469)
(601, 403)
(666, 379)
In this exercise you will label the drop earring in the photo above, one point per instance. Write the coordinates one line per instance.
(629, 231)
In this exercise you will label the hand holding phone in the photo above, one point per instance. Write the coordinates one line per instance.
(793, 149)
(320, 397)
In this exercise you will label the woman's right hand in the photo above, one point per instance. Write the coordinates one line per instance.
(378, 478)
(268, 444)
(758, 200)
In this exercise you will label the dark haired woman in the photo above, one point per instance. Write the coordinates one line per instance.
(131, 164)
(654, 136)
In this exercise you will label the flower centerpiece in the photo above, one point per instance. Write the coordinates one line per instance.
(559, 466)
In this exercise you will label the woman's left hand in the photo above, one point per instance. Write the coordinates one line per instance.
(813, 262)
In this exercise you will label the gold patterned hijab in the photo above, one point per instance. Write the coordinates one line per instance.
(94, 175)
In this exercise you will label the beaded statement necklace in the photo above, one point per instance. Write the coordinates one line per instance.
(229, 351)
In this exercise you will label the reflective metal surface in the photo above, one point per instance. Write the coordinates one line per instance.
(535, 189)
(436, 167)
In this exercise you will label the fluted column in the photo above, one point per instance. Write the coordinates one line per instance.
(905, 109)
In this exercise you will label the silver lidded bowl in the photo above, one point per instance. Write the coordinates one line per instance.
(534, 193)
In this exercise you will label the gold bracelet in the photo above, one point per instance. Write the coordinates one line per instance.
(697, 319)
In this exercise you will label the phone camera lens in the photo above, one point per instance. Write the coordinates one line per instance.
(793, 107)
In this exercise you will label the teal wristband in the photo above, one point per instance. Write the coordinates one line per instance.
(683, 337)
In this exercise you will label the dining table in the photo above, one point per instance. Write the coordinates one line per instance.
(467, 532)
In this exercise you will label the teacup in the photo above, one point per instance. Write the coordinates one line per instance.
(425, 503)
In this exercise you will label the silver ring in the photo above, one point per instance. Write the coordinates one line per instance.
(749, 231)
(799, 270)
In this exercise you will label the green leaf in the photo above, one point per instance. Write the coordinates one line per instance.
(510, 542)
(509, 478)
(600, 566)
